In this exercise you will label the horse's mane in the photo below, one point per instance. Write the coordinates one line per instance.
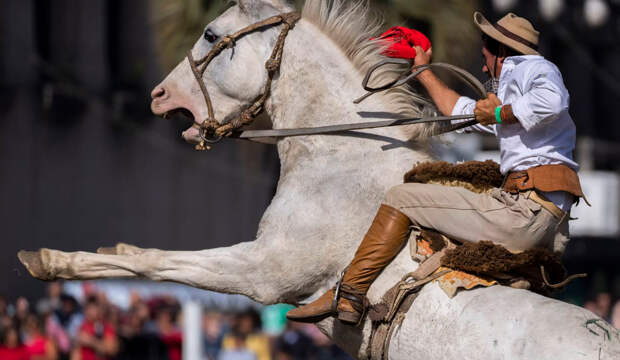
(351, 24)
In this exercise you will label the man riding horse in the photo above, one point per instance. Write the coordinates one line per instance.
(528, 111)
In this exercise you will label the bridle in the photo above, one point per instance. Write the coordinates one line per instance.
(212, 131)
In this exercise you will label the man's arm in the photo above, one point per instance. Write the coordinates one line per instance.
(444, 97)
(545, 96)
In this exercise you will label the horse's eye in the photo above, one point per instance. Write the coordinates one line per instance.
(210, 36)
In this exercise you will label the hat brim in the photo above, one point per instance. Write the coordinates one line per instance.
(486, 27)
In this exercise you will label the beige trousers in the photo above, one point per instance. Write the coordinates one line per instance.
(513, 221)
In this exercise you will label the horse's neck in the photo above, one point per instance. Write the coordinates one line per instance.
(316, 87)
(333, 183)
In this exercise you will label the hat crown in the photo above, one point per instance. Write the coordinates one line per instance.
(519, 26)
(512, 31)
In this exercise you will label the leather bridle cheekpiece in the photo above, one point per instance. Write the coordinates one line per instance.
(211, 130)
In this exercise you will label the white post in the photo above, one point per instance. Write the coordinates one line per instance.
(192, 339)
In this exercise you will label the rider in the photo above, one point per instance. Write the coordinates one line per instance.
(529, 115)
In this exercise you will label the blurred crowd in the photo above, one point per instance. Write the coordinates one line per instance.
(59, 326)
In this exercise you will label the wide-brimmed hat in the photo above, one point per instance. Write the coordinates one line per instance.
(512, 31)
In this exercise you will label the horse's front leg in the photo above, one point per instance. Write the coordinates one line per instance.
(238, 269)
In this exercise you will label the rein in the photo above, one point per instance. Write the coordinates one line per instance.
(211, 131)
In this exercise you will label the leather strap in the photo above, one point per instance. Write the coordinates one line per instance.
(546, 204)
(278, 133)
(545, 178)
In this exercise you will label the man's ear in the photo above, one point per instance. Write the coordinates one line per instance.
(503, 52)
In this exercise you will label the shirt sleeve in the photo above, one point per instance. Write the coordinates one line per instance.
(465, 106)
(544, 96)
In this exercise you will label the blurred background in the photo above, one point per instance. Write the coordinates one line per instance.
(83, 164)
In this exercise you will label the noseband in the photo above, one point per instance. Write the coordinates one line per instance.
(212, 131)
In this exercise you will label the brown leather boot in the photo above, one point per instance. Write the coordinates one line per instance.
(383, 241)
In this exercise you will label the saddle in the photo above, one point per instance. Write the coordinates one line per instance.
(456, 265)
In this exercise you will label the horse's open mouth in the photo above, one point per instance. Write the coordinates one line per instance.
(181, 114)
(186, 118)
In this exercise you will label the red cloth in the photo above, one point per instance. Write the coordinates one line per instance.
(36, 346)
(18, 353)
(174, 343)
(99, 330)
(403, 40)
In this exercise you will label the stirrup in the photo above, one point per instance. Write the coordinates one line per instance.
(359, 302)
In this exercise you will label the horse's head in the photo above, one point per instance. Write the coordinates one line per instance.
(233, 79)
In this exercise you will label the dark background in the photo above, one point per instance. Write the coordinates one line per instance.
(84, 164)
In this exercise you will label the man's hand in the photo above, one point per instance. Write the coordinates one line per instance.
(422, 57)
(485, 109)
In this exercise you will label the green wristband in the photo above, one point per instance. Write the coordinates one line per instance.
(498, 114)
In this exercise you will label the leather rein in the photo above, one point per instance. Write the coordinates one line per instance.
(212, 131)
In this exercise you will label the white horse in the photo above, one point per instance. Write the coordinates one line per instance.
(329, 189)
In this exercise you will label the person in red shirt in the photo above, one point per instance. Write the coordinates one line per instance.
(96, 339)
(11, 348)
(38, 346)
(169, 333)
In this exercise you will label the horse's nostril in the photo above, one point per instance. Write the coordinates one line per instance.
(158, 92)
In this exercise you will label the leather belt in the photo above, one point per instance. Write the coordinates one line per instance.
(546, 204)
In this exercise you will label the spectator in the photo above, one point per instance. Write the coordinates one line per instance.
(54, 331)
(168, 332)
(138, 342)
(244, 342)
(294, 344)
(22, 309)
(52, 301)
(5, 316)
(11, 348)
(38, 346)
(68, 315)
(96, 339)
(325, 349)
(214, 331)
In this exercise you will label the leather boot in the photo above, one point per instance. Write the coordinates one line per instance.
(383, 241)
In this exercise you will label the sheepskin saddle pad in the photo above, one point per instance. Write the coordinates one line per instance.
(476, 176)
(487, 262)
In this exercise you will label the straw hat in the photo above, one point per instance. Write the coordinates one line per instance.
(512, 31)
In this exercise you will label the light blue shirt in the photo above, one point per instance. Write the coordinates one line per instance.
(545, 133)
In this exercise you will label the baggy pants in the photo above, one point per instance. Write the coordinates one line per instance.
(511, 220)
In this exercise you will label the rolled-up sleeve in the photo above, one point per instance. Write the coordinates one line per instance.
(544, 99)
(466, 106)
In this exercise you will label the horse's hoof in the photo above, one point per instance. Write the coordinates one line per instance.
(107, 250)
(34, 264)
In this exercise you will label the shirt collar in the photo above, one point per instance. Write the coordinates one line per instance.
(512, 61)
